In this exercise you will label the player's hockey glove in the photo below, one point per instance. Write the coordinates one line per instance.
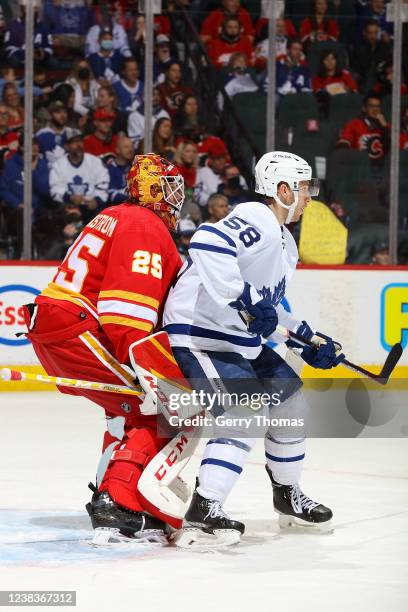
(323, 356)
(257, 311)
(303, 330)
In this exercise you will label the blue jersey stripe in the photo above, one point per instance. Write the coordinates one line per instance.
(236, 443)
(214, 230)
(284, 459)
(211, 247)
(225, 464)
(201, 332)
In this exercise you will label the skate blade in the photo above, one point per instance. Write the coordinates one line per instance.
(293, 522)
(106, 537)
(190, 537)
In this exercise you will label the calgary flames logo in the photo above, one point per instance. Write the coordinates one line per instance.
(144, 180)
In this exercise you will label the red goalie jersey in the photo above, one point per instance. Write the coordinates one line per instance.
(119, 270)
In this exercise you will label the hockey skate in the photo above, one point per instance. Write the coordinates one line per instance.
(295, 509)
(206, 525)
(114, 524)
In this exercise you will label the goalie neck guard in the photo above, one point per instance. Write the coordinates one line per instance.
(282, 167)
(155, 183)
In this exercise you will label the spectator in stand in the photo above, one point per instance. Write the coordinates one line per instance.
(118, 168)
(137, 32)
(292, 72)
(285, 31)
(218, 207)
(129, 89)
(14, 39)
(15, 109)
(188, 123)
(212, 24)
(185, 231)
(173, 90)
(107, 21)
(233, 186)
(384, 86)
(238, 77)
(380, 255)
(68, 22)
(209, 178)
(9, 140)
(186, 160)
(12, 189)
(107, 62)
(370, 132)
(209, 143)
(230, 41)
(107, 100)
(162, 58)
(80, 178)
(102, 142)
(71, 228)
(370, 53)
(330, 78)
(404, 130)
(375, 10)
(319, 27)
(52, 138)
(136, 120)
(84, 85)
(65, 93)
(163, 138)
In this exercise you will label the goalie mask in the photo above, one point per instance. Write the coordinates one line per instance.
(155, 183)
(280, 167)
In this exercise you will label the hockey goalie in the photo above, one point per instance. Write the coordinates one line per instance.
(90, 321)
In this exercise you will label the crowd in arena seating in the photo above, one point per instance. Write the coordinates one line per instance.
(89, 105)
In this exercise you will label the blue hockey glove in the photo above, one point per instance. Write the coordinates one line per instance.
(323, 357)
(263, 316)
(303, 330)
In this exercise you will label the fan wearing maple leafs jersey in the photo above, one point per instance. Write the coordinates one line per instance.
(224, 307)
(108, 293)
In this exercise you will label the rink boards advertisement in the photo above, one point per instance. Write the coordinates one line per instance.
(365, 308)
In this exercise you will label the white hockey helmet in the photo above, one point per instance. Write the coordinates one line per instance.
(283, 167)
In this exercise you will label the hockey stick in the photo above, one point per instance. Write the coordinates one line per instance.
(15, 375)
(382, 378)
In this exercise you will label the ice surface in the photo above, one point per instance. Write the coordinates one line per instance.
(49, 449)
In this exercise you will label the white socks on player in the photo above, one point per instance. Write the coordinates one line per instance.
(284, 458)
(223, 461)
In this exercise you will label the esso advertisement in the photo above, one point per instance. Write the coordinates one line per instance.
(19, 285)
(12, 323)
(366, 310)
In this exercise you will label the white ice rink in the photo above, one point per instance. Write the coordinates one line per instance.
(49, 449)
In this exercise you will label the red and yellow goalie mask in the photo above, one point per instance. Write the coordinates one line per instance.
(156, 183)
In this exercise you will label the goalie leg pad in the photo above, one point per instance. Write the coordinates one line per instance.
(127, 463)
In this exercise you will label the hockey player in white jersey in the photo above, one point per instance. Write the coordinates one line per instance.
(237, 267)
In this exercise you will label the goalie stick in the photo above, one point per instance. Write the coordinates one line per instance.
(16, 375)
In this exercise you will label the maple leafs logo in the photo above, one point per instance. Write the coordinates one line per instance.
(277, 295)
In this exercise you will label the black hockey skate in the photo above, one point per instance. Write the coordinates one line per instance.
(115, 524)
(296, 509)
(207, 525)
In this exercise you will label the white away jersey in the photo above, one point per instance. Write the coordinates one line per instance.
(248, 245)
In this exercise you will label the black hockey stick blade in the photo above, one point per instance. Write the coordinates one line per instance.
(393, 358)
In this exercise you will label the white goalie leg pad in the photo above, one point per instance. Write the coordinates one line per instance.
(160, 484)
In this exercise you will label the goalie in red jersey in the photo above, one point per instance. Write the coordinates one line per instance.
(108, 293)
